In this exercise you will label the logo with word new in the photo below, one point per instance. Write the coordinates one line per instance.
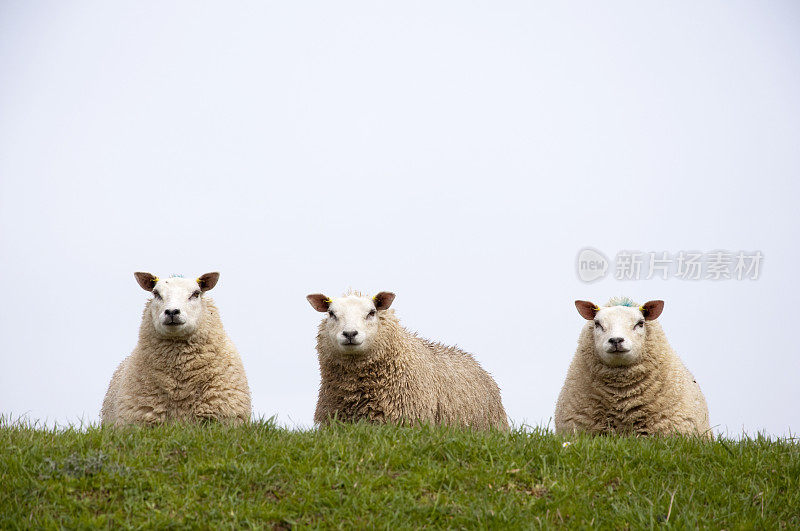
(592, 265)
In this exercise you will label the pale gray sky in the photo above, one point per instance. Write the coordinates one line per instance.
(458, 154)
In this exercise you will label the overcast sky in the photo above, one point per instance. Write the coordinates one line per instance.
(460, 154)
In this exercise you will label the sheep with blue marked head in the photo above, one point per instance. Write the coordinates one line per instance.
(184, 366)
(625, 377)
(375, 370)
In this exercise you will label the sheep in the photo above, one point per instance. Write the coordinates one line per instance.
(625, 378)
(375, 370)
(184, 367)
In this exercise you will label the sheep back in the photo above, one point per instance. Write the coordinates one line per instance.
(406, 379)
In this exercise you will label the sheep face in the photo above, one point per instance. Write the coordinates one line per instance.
(352, 322)
(619, 334)
(619, 331)
(177, 306)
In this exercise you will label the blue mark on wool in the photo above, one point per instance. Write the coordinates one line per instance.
(623, 301)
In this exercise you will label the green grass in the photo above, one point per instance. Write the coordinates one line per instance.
(361, 476)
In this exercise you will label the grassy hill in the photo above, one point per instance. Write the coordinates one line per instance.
(381, 476)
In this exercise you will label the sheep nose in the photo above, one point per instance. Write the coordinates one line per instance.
(168, 313)
(616, 340)
(351, 334)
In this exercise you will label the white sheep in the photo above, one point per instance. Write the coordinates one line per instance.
(625, 378)
(374, 369)
(184, 367)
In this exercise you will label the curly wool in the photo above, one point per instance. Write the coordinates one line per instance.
(657, 394)
(406, 379)
(199, 378)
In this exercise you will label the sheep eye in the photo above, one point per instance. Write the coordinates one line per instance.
(598, 325)
(195, 295)
(333, 315)
(640, 323)
(157, 295)
(371, 313)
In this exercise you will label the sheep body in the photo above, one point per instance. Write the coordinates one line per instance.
(656, 394)
(403, 378)
(167, 379)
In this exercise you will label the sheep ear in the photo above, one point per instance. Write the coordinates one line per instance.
(207, 281)
(587, 309)
(146, 280)
(383, 300)
(319, 302)
(651, 310)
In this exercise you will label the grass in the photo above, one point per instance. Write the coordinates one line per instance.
(362, 476)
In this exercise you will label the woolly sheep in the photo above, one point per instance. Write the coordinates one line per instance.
(625, 377)
(374, 369)
(184, 367)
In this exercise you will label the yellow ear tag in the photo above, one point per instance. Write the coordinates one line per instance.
(597, 308)
(328, 301)
(641, 309)
(155, 280)
(197, 280)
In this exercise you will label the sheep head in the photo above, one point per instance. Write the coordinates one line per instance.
(619, 328)
(177, 306)
(352, 321)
